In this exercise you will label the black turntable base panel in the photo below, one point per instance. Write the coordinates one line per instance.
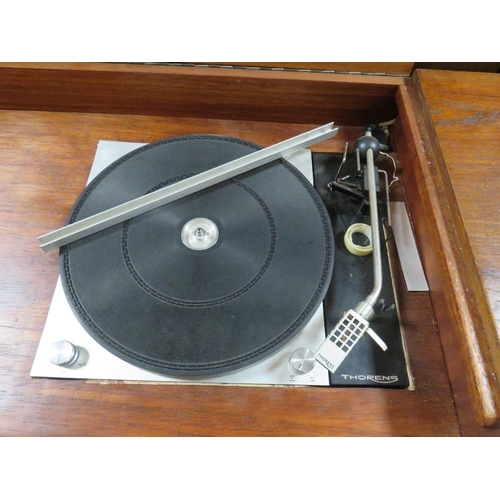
(367, 364)
(151, 296)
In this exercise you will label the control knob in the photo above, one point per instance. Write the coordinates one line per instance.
(302, 361)
(63, 353)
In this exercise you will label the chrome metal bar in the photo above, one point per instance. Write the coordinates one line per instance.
(125, 211)
(365, 307)
(377, 256)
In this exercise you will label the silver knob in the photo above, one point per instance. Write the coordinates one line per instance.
(63, 353)
(302, 361)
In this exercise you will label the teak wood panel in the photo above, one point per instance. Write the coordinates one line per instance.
(457, 292)
(46, 157)
(230, 94)
(465, 112)
(464, 109)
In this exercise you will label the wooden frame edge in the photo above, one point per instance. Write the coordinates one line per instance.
(455, 285)
(199, 92)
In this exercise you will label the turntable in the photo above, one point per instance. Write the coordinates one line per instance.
(247, 279)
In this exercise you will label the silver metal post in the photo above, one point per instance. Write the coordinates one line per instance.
(377, 257)
(365, 308)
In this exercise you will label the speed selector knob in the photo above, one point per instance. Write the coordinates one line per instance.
(302, 361)
(63, 353)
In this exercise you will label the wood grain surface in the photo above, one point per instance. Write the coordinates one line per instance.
(230, 94)
(45, 160)
(466, 327)
(465, 112)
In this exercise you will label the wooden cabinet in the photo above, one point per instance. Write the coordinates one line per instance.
(53, 115)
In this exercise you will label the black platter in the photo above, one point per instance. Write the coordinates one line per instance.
(157, 303)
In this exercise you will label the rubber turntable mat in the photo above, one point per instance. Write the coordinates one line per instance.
(152, 301)
(367, 364)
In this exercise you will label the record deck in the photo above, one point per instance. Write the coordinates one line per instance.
(224, 285)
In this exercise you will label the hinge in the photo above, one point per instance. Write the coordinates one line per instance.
(269, 68)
